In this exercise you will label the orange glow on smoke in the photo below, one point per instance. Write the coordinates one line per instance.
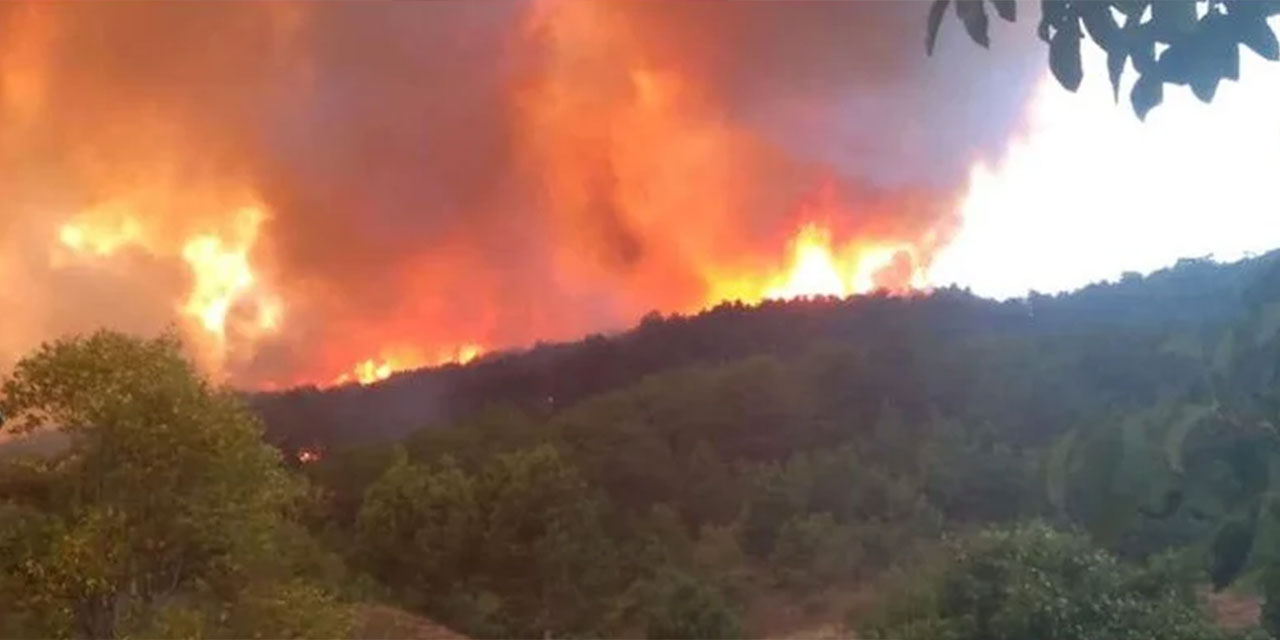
(223, 277)
(221, 273)
(635, 185)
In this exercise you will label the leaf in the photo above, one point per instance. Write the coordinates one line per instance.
(1141, 46)
(1064, 56)
(1229, 60)
(1176, 64)
(1188, 419)
(1007, 9)
(1102, 27)
(1131, 8)
(1115, 66)
(1208, 67)
(1147, 92)
(936, 11)
(974, 17)
(1173, 17)
(1256, 34)
(1057, 469)
(1052, 14)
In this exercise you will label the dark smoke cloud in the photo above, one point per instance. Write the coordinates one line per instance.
(389, 144)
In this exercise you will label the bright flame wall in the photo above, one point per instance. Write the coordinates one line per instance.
(316, 190)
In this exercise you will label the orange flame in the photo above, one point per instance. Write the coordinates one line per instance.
(222, 274)
(374, 370)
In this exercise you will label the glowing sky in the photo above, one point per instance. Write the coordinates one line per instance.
(1088, 191)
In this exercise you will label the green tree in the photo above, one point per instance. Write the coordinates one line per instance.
(418, 526)
(813, 551)
(1031, 582)
(516, 548)
(165, 503)
(685, 607)
(1209, 450)
(1168, 41)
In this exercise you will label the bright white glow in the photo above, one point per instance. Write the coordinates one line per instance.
(1088, 191)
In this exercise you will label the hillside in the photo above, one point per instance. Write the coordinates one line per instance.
(1080, 466)
(759, 465)
(1195, 294)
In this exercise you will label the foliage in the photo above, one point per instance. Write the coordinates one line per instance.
(164, 499)
(656, 481)
(1207, 453)
(1029, 582)
(1168, 41)
(813, 551)
(685, 607)
(516, 548)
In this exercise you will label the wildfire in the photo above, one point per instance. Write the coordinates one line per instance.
(223, 277)
(819, 269)
(222, 274)
(614, 170)
(377, 369)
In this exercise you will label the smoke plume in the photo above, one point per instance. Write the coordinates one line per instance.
(300, 187)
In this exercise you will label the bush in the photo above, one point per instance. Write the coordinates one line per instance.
(813, 551)
(1030, 582)
(685, 607)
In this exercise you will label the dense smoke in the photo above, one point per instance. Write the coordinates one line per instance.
(411, 177)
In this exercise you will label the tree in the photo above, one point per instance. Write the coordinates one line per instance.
(685, 607)
(164, 506)
(515, 549)
(1030, 582)
(1210, 450)
(1168, 41)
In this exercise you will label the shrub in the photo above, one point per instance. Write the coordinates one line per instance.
(1031, 582)
(685, 607)
(812, 551)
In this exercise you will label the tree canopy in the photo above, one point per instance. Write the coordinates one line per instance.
(165, 513)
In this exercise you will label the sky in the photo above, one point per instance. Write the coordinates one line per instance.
(1087, 192)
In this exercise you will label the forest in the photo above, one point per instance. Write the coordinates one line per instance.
(1096, 464)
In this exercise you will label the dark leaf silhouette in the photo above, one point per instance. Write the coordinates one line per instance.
(1147, 92)
(1102, 27)
(936, 12)
(1174, 18)
(1007, 9)
(1258, 36)
(974, 17)
(1194, 50)
(1064, 56)
(1115, 66)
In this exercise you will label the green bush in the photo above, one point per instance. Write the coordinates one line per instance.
(1031, 582)
(813, 551)
(685, 607)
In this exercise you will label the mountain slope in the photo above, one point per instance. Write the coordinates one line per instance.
(1194, 295)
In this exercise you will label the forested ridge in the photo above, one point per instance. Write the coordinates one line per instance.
(549, 377)
(1085, 465)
